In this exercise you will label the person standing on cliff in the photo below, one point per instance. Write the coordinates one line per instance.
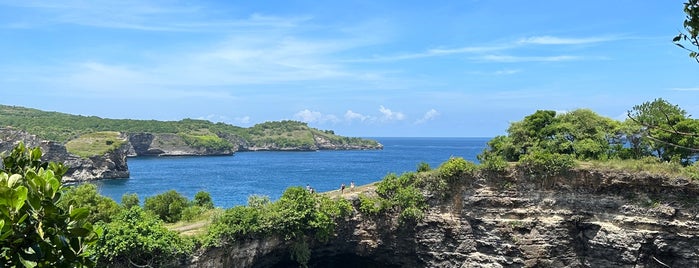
(342, 188)
(352, 186)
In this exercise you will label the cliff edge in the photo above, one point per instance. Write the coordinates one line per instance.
(585, 217)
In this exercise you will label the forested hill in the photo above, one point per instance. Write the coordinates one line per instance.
(284, 135)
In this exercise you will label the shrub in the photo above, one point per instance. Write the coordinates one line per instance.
(423, 166)
(203, 199)
(86, 196)
(454, 168)
(130, 200)
(136, 238)
(167, 206)
(546, 164)
(492, 162)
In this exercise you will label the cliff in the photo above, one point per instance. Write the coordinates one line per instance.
(107, 166)
(584, 218)
(167, 144)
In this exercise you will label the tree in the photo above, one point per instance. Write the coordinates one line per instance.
(34, 229)
(86, 196)
(167, 206)
(691, 25)
(203, 199)
(670, 133)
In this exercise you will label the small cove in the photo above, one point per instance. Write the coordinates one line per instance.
(231, 179)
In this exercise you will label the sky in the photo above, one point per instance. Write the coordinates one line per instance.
(361, 68)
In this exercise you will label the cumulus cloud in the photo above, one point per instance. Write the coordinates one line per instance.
(351, 116)
(429, 115)
(309, 116)
(389, 115)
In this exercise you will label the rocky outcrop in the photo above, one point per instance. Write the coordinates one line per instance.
(586, 218)
(166, 144)
(108, 166)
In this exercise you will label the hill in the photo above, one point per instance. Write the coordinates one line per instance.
(203, 136)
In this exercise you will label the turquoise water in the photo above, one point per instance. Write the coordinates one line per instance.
(231, 179)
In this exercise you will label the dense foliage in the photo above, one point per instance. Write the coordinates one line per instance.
(137, 238)
(34, 229)
(298, 215)
(654, 129)
(168, 206)
(101, 208)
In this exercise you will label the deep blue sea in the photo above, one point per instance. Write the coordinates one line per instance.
(231, 179)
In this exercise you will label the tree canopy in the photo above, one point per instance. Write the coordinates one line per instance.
(690, 40)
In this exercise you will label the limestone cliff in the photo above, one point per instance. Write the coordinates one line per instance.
(108, 166)
(166, 144)
(585, 218)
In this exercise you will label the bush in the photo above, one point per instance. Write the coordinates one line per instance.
(136, 238)
(423, 167)
(454, 168)
(203, 199)
(546, 164)
(492, 162)
(86, 196)
(130, 200)
(167, 206)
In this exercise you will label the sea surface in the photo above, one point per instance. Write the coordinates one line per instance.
(231, 179)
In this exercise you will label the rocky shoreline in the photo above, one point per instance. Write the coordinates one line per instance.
(113, 164)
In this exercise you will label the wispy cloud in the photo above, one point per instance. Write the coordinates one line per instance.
(554, 40)
(141, 16)
(351, 116)
(510, 58)
(429, 115)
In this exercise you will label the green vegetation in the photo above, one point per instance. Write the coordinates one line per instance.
(298, 215)
(101, 208)
(34, 229)
(137, 238)
(548, 142)
(90, 135)
(167, 206)
(691, 25)
(96, 143)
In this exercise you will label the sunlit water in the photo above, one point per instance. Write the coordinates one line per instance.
(231, 179)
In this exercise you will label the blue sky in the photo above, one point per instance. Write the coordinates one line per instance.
(361, 68)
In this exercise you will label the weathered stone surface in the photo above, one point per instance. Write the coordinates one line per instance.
(108, 166)
(166, 144)
(587, 218)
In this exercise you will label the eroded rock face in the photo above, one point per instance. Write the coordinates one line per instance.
(587, 218)
(108, 166)
(166, 144)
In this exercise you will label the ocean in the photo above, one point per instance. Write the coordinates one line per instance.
(232, 179)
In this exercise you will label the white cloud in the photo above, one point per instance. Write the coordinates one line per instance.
(508, 58)
(309, 116)
(389, 115)
(429, 115)
(553, 40)
(351, 116)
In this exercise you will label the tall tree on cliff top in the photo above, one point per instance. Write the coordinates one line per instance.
(691, 25)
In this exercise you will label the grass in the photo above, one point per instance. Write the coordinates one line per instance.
(96, 143)
(648, 164)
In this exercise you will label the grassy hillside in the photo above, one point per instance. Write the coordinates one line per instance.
(63, 128)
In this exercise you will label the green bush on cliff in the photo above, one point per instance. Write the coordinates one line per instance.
(205, 140)
(298, 213)
(396, 194)
(86, 195)
(137, 238)
(168, 206)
